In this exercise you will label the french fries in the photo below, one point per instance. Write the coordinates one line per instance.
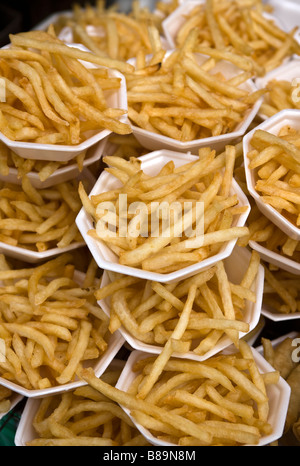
(219, 402)
(186, 96)
(275, 159)
(266, 233)
(110, 33)
(124, 146)
(5, 399)
(39, 219)
(151, 312)
(50, 323)
(164, 9)
(10, 161)
(243, 29)
(281, 291)
(279, 97)
(83, 417)
(51, 97)
(281, 358)
(168, 246)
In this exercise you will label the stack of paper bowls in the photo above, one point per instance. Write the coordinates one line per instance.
(92, 149)
(273, 125)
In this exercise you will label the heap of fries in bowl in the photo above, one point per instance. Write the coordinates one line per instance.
(138, 334)
(272, 156)
(179, 226)
(283, 92)
(73, 108)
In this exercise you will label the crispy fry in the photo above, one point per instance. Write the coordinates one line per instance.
(47, 325)
(171, 240)
(275, 159)
(187, 393)
(37, 109)
(37, 216)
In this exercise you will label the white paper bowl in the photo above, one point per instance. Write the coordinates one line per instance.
(236, 266)
(63, 174)
(287, 72)
(172, 24)
(277, 341)
(14, 399)
(278, 394)
(154, 141)
(25, 431)
(273, 126)
(275, 316)
(252, 337)
(297, 38)
(99, 365)
(115, 343)
(176, 19)
(274, 258)
(34, 257)
(107, 260)
(65, 153)
(288, 11)
(67, 36)
(271, 313)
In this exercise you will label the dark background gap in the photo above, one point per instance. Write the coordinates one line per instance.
(17, 16)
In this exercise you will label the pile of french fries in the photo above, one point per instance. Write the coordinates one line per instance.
(51, 320)
(214, 402)
(185, 96)
(280, 357)
(92, 419)
(244, 28)
(275, 159)
(282, 290)
(266, 233)
(5, 399)
(108, 32)
(39, 220)
(239, 30)
(51, 97)
(152, 312)
(207, 180)
(279, 97)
